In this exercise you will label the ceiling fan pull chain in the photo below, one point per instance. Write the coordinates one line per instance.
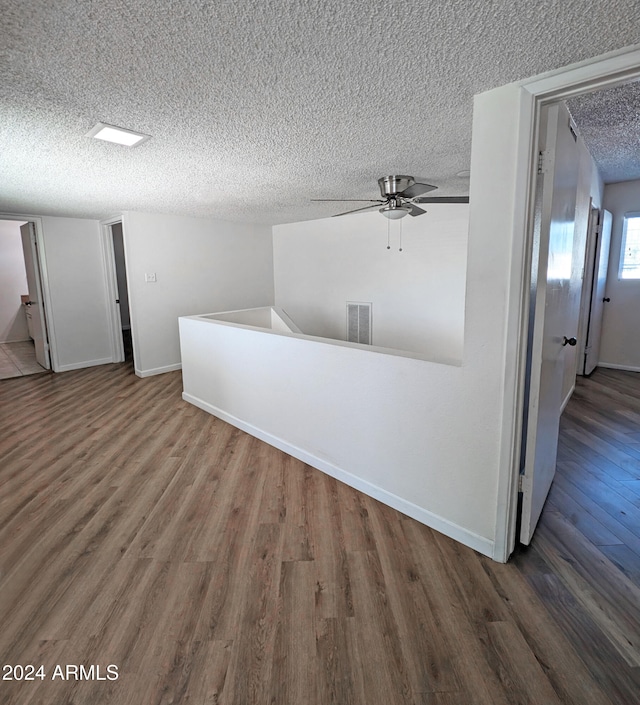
(388, 233)
(400, 248)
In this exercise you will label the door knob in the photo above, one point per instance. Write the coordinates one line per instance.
(569, 341)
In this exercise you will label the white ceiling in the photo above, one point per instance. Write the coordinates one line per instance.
(257, 107)
(609, 122)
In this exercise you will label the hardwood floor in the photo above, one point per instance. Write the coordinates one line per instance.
(139, 531)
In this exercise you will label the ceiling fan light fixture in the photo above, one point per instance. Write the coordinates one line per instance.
(394, 212)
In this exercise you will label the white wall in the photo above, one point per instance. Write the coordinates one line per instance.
(13, 283)
(75, 279)
(620, 341)
(394, 427)
(417, 294)
(201, 266)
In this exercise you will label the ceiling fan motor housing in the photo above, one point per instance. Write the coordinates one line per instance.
(392, 185)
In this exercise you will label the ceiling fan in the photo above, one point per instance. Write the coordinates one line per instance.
(400, 194)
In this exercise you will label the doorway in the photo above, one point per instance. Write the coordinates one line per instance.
(594, 288)
(115, 259)
(540, 436)
(24, 336)
(504, 166)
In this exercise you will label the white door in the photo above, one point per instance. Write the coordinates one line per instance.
(598, 293)
(36, 305)
(553, 319)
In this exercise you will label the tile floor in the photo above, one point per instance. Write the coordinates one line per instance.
(18, 359)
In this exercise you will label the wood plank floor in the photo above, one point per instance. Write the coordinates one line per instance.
(139, 531)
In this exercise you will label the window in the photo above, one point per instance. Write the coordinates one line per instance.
(630, 250)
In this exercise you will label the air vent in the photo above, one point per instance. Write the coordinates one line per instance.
(359, 322)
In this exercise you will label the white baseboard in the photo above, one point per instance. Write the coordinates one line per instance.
(568, 397)
(612, 366)
(82, 365)
(158, 370)
(444, 526)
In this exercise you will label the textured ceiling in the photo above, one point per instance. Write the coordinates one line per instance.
(609, 122)
(257, 107)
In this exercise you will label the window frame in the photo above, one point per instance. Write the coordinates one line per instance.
(623, 246)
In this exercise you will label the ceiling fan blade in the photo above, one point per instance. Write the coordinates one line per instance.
(442, 199)
(415, 210)
(417, 190)
(358, 209)
(347, 200)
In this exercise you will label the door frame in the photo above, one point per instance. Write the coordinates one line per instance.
(608, 71)
(593, 225)
(37, 323)
(44, 282)
(593, 265)
(109, 264)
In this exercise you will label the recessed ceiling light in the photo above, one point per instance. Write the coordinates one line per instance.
(118, 135)
(464, 174)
